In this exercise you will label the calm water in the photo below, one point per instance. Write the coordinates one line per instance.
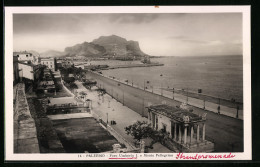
(217, 76)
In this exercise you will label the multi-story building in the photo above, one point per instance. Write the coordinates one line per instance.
(67, 63)
(29, 70)
(26, 57)
(49, 62)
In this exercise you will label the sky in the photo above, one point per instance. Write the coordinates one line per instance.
(172, 34)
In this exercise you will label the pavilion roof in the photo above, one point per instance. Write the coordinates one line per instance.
(175, 113)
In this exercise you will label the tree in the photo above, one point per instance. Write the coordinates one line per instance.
(101, 91)
(139, 130)
(69, 79)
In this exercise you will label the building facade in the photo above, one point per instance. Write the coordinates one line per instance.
(186, 129)
(26, 57)
(49, 62)
(29, 71)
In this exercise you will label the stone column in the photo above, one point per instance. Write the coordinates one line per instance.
(180, 133)
(191, 133)
(185, 134)
(149, 118)
(203, 132)
(198, 133)
(175, 131)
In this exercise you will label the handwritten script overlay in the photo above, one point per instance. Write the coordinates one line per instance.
(181, 156)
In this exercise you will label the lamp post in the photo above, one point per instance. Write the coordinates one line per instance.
(204, 107)
(218, 105)
(237, 110)
(187, 96)
(107, 118)
(123, 98)
(173, 93)
(143, 108)
(161, 85)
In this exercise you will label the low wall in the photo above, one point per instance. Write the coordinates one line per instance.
(25, 135)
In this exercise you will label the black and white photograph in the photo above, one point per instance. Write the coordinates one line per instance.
(127, 83)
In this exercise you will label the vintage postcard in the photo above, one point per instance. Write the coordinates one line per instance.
(127, 83)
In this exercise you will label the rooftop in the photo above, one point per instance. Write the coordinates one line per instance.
(175, 113)
(22, 52)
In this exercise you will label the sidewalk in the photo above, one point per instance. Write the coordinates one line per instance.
(110, 109)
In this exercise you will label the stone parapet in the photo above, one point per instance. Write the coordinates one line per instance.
(25, 135)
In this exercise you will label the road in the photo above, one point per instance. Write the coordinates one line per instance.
(227, 132)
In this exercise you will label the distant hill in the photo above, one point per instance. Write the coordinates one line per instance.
(110, 46)
(52, 53)
(34, 53)
(85, 49)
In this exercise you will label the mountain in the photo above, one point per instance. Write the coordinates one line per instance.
(119, 46)
(52, 53)
(85, 49)
(34, 53)
(110, 46)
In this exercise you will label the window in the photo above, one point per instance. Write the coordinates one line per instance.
(50, 62)
(46, 62)
(26, 55)
(51, 66)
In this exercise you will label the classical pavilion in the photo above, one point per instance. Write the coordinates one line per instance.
(186, 129)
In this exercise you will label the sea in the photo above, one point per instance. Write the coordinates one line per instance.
(219, 76)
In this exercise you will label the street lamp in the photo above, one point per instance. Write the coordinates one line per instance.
(237, 110)
(123, 96)
(107, 118)
(173, 93)
(161, 85)
(187, 96)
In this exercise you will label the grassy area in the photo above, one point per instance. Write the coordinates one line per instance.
(83, 134)
(46, 134)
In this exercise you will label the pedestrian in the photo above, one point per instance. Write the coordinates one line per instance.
(218, 109)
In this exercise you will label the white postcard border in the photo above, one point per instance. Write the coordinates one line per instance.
(8, 29)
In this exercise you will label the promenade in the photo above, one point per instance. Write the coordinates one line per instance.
(109, 109)
(226, 131)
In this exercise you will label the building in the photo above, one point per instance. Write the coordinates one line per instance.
(186, 129)
(15, 70)
(29, 71)
(47, 83)
(26, 57)
(49, 62)
(67, 64)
